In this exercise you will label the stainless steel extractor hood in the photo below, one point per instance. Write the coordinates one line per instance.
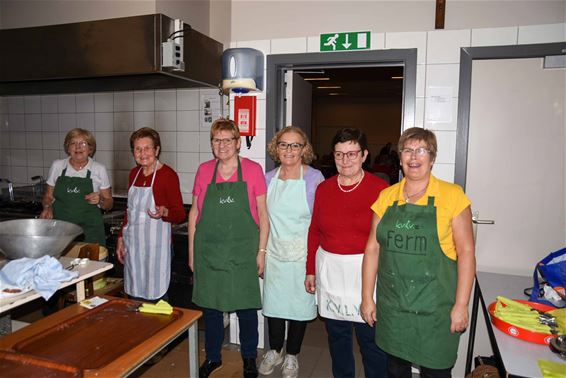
(105, 55)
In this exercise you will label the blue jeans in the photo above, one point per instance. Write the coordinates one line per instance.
(342, 353)
(214, 333)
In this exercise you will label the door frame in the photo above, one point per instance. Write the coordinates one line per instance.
(277, 64)
(467, 56)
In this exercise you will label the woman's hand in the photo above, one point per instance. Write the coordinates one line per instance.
(46, 213)
(93, 198)
(459, 318)
(260, 261)
(310, 283)
(367, 312)
(121, 250)
(160, 212)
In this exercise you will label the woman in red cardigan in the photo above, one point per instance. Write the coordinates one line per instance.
(338, 234)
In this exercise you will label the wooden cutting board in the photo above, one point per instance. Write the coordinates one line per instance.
(95, 338)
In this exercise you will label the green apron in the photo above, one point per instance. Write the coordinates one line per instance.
(225, 249)
(416, 288)
(70, 206)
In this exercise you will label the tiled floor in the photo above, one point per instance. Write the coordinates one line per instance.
(314, 360)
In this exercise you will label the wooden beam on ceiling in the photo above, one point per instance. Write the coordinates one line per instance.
(440, 14)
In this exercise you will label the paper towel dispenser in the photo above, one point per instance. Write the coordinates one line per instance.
(242, 70)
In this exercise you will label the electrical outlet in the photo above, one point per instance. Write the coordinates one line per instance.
(172, 55)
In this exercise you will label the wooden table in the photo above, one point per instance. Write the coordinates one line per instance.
(92, 339)
(90, 269)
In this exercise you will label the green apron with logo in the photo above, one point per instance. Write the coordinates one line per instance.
(70, 206)
(416, 288)
(225, 249)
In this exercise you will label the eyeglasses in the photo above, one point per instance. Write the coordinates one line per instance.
(225, 141)
(421, 151)
(339, 155)
(81, 143)
(293, 146)
(139, 150)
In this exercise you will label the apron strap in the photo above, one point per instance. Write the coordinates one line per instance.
(154, 172)
(430, 201)
(88, 174)
(240, 176)
(64, 172)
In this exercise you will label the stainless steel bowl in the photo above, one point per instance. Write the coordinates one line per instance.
(35, 238)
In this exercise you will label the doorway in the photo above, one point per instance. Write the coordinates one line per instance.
(510, 154)
(510, 159)
(355, 73)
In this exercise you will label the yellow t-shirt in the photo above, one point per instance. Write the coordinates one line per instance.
(449, 200)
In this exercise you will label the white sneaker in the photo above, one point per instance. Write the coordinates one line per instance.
(290, 368)
(270, 360)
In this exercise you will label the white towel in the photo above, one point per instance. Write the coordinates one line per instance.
(44, 275)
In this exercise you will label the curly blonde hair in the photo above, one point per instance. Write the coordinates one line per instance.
(307, 155)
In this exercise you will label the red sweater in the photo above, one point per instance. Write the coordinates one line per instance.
(166, 192)
(341, 221)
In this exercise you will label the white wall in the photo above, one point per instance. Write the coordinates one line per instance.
(268, 19)
(438, 58)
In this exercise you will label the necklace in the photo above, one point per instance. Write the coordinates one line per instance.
(355, 186)
(408, 197)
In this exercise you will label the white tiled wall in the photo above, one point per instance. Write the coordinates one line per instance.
(33, 128)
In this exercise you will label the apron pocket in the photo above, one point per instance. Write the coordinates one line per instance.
(415, 294)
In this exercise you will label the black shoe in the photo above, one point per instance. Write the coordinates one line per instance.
(208, 367)
(250, 369)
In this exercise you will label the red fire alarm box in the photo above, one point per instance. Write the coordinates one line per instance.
(244, 114)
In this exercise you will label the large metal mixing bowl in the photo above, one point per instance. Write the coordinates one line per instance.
(35, 238)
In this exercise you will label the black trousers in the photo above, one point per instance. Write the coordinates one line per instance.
(399, 368)
(295, 334)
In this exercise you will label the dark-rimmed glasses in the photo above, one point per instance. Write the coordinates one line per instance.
(351, 155)
(283, 146)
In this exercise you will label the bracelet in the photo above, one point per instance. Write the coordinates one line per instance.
(262, 250)
(46, 206)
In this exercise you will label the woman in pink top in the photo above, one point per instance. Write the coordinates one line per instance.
(228, 229)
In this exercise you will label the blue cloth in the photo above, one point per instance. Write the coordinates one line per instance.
(44, 275)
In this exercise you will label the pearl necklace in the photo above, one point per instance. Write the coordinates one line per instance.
(354, 188)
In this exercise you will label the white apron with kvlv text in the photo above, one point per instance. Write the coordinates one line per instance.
(147, 268)
(339, 285)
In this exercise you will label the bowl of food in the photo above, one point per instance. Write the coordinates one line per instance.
(35, 238)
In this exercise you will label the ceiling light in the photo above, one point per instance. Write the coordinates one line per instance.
(316, 78)
(329, 87)
(334, 94)
(396, 77)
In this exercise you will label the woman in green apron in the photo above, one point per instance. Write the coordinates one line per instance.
(228, 229)
(78, 187)
(422, 250)
(290, 198)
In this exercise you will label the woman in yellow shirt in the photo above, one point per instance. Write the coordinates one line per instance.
(422, 245)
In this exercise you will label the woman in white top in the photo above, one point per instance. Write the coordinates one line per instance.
(78, 187)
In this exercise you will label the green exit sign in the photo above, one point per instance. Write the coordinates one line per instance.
(345, 41)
